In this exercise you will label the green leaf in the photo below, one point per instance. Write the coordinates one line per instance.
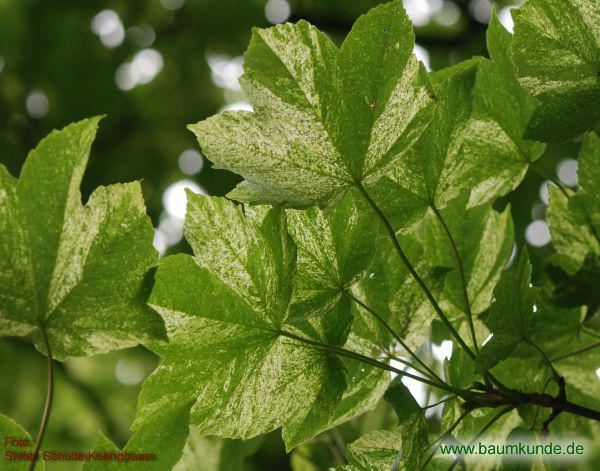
(576, 290)
(430, 172)
(334, 251)
(580, 374)
(459, 370)
(472, 144)
(316, 455)
(498, 95)
(572, 238)
(9, 460)
(163, 439)
(511, 314)
(557, 52)
(366, 384)
(574, 220)
(215, 454)
(324, 118)
(484, 240)
(375, 451)
(78, 270)
(394, 295)
(412, 426)
(225, 309)
(589, 179)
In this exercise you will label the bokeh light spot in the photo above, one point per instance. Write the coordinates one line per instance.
(225, 71)
(172, 5)
(142, 35)
(190, 161)
(277, 11)
(567, 172)
(480, 10)
(107, 25)
(146, 64)
(129, 372)
(448, 15)
(175, 200)
(37, 104)
(420, 12)
(537, 234)
(543, 192)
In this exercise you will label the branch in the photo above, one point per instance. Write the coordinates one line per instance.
(412, 271)
(557, 406)
(560, 403)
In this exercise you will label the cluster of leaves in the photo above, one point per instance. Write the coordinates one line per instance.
(368, 209)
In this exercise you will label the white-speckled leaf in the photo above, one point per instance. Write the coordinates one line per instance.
(11, 429)
(557, 52)
(163, 439)
(366, 384)
(334, 251)
(374, 451)
(484, 239)
(214, 453)
(588, 192)
(394, 295)
(462, 149)
(79, 270)
(572, 237)
(574, 221)
(323, 119)
(498, 94)
(412, 426)
(224, 309)
(474, 141)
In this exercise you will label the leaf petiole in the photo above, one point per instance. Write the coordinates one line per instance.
(49, 398)
(412, 271)
(370, 361)
(396, 337)
(461, 271)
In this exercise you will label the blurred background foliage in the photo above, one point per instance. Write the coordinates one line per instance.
(152, 67)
